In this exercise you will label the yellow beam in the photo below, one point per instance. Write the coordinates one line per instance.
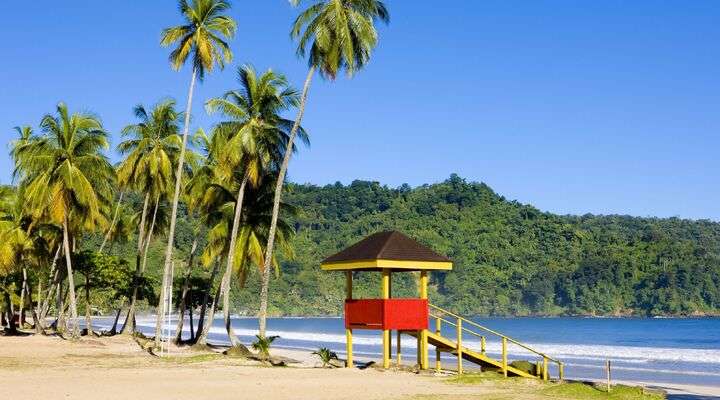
(438, 329)
(385, 282)
(382, 264)
(348, 348)
(459, 347)
(425, 356)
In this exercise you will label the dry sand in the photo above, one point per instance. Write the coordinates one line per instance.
(36, 367)
(116, 368)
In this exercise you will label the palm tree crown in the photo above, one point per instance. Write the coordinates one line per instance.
(152, 150)
(64, 169)
(254, 133)
(338, 34)
(201, 35)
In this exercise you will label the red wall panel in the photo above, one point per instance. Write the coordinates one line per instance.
(396, 314)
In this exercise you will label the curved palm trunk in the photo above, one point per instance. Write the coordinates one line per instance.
(204, 324)
(113, 330)
(149, 236)
(71, 281)
(183, 297)
(112, 224)
(173, 216)
(225, 286)
(52, 285)
(129, 325)
(23, 288)
(262, 313)
(88, 318)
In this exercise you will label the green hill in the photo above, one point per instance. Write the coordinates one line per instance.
(510, 258)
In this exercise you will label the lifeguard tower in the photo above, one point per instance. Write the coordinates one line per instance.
(392, 252)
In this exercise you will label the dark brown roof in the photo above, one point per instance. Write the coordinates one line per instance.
(388, 245)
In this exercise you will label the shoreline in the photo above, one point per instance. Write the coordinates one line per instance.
(117, 364)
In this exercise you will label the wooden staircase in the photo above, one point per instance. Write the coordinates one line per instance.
(456, 347)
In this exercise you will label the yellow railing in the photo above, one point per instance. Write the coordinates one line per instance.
(460, 327)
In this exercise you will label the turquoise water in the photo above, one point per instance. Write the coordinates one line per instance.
(645, 350)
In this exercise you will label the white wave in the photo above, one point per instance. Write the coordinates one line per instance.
(561, 351)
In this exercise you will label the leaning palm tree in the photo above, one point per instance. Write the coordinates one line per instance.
(67, 178)
(255, 135)
(203, 36)
(336, 35)
(152, 151)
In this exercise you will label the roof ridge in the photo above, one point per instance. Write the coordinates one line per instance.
(387, 241)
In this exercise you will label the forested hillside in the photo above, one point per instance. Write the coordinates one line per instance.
(510, 258)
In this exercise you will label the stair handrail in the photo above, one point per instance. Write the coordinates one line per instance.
(509, 339)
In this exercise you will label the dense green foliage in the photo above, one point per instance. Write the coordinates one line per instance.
(510, 258)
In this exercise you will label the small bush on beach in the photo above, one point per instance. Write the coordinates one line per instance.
(326, 356)
(262, 346)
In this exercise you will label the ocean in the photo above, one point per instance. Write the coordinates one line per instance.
(659, 350)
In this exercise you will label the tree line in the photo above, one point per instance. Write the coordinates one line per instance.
(73, 215)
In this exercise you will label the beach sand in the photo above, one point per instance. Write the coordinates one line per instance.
(36, 367)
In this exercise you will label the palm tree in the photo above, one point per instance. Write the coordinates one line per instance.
(152, 152)
(202, 37)
(335, 35)
(67, 178)
(255, 135)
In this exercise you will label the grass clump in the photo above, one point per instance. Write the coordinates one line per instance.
(584, 391)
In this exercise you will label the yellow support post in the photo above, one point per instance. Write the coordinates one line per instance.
(438, 329)
(399, 356)
(459, 347)
(482, 344)
(348, 348)
(348, 332)
(545, 368)
(386, 333)
(424, 342)
(561, 373)
(538, 369)
(504, 357)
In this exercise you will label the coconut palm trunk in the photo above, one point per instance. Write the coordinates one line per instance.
(23, 288)
(129, 325)
(149, 236)
(262, 313)
(225, 285)
(204, 323)
(112, 224)
(52, 285)
(183, 297)
(88, 317)
(71, 282)
(173, 215)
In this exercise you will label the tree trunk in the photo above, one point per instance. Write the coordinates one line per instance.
(34, 311)
(149, 236)
(129, 325)
(71, 281)
(88, 318)
(225, 285)
(59, 306)
(183, 296)
(52, 285)
(23, 287)
(113, 329)
(262, 313)
(173, 216)
(112, 224)
(204, 327)
(12, 328)
(190, 318)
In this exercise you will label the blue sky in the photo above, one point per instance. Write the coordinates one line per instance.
(574, 107)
